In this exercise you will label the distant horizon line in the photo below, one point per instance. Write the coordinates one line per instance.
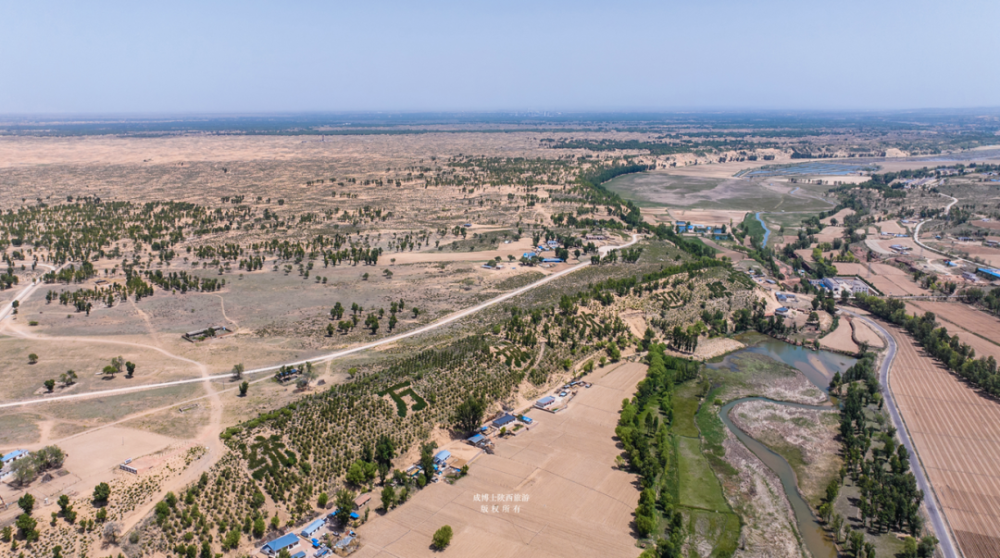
(538, 113)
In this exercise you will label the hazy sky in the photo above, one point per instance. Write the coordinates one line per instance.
(251, 56)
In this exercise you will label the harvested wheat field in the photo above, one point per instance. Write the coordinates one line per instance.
(893, 227)
(865, 334)
(840, 339)
(974, 328)
(957, 435)
(829, 234)
(893, 281)
(578, 504)
(965, 317)
(861, 270)
(839, 216)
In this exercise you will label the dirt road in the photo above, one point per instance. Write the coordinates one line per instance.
(331, 356)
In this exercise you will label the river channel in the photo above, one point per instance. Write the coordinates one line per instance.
(818, 367)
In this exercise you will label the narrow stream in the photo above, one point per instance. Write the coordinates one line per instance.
(814, 538)
(818, 367)
(767, 231)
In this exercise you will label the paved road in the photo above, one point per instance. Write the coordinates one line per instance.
(938, 521)
(916, 233)
(331, 356)
(26, 292)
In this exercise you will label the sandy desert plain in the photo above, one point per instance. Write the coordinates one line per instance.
(405, 231)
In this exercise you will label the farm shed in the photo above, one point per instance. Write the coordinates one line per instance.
(312, 528)
(13, 456)
(552, 260)
(442, 456)
(476, 440)
(503, 421)
(362, 500)
(545, 402)
(991, 271)
(288, 541)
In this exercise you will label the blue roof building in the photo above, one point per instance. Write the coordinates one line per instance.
(991, 271)
(545, 401)
(442, 456)
(503, 421)
(528, 255)
(476, 439)
(299, 554)
(312, 528)
(280, 543)
(12, 456)
(552, 260)
(354, 515)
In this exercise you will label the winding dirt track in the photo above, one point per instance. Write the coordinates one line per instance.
(323, 358)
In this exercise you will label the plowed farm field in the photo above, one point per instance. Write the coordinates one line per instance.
(977, 329)
(957, 435)
(893, 281)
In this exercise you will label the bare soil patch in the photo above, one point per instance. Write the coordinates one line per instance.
(840, 339)
(578, 503)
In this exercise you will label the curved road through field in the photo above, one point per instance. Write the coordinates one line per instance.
(941, 529)
(916, 233)
(323, 358)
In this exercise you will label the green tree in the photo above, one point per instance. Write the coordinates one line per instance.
(102, 492)
(345, 505)
(232, 539)
(130, 369)
(26, 524)
(259, 527)
(49, 385)
(442, 537)
(388, 497)
(32, 358)
(238, 370)
(469, 414)
(244, 387)
(832, 490)
(257, 500)
(385, 450)
(26, 503)
(427, 459)
(361, 473)
(613, 353)
(109, 371)
(323, 499)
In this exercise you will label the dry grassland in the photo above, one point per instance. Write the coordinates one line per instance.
(579, 504)
(957, 435)
(839, 216)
